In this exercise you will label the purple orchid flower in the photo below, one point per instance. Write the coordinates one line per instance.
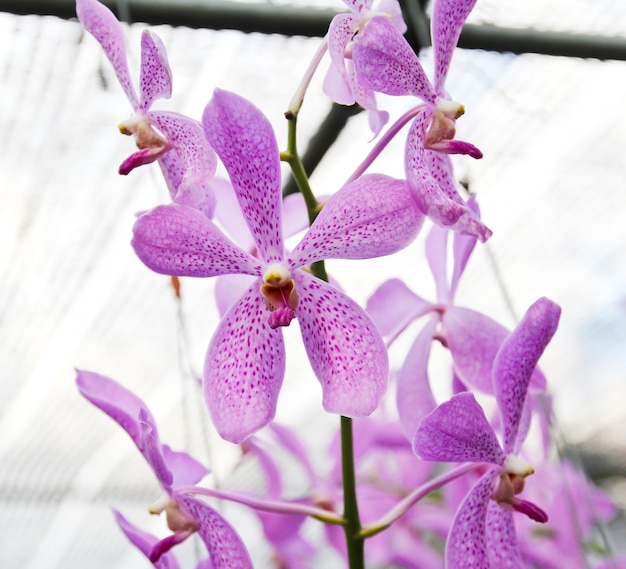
(385, 62)
(185, 515)
(482, 535)
(340, 83)
(187, 161)
(245, 363)
(472, 338)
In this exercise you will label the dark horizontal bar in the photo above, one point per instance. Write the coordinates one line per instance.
(512, 40)
(210, 14)
(290, 21)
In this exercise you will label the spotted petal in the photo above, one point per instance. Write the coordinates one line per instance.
(371, 217)
(179, 240)
(386, 63)
(244, 141)
(430, 178)
(346, 351)
(466, 547)
(155, 81)
(516, 360)
(244, 369)
(458, 431)
(199, 161)
(336, 84)
(446, 24)
(102, 24)
(502, 545)
(358, 5)
(225, 547)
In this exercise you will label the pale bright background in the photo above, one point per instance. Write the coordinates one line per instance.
(552, 187)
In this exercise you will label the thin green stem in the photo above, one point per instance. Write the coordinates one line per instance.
(297, 168)
(352, 527)
(351, 520)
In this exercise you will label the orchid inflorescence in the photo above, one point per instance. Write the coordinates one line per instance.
(391, 498)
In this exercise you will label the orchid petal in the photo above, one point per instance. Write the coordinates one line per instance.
(291, 550)
(145, 542)
(336, 86)
(502, 545)
(152, 451)
(358, 5)
(446, 24)
(342, 28)
(295, 215)
(370, 217)
(228, 215)
(292, 443)
(414, 397)
(458, 431)
(394, 306)
(102, 24)
(392, 9)
(437, 255)
(462, 247)
(225, 547)
(116, 401)
(155, 81)
(229, 289)
(367, 99)
(244, 140)
(199, 161)
(473, 340)
(185, 469)
(429, 175)
(173, 171)
(516, 361)
(386, 63)
(345, 349)
(244, 369)
(466, 546)
(179, 240)
(269, 468)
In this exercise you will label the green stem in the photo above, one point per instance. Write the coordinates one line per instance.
(352, 522)
(297, 169)
(352, 527)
